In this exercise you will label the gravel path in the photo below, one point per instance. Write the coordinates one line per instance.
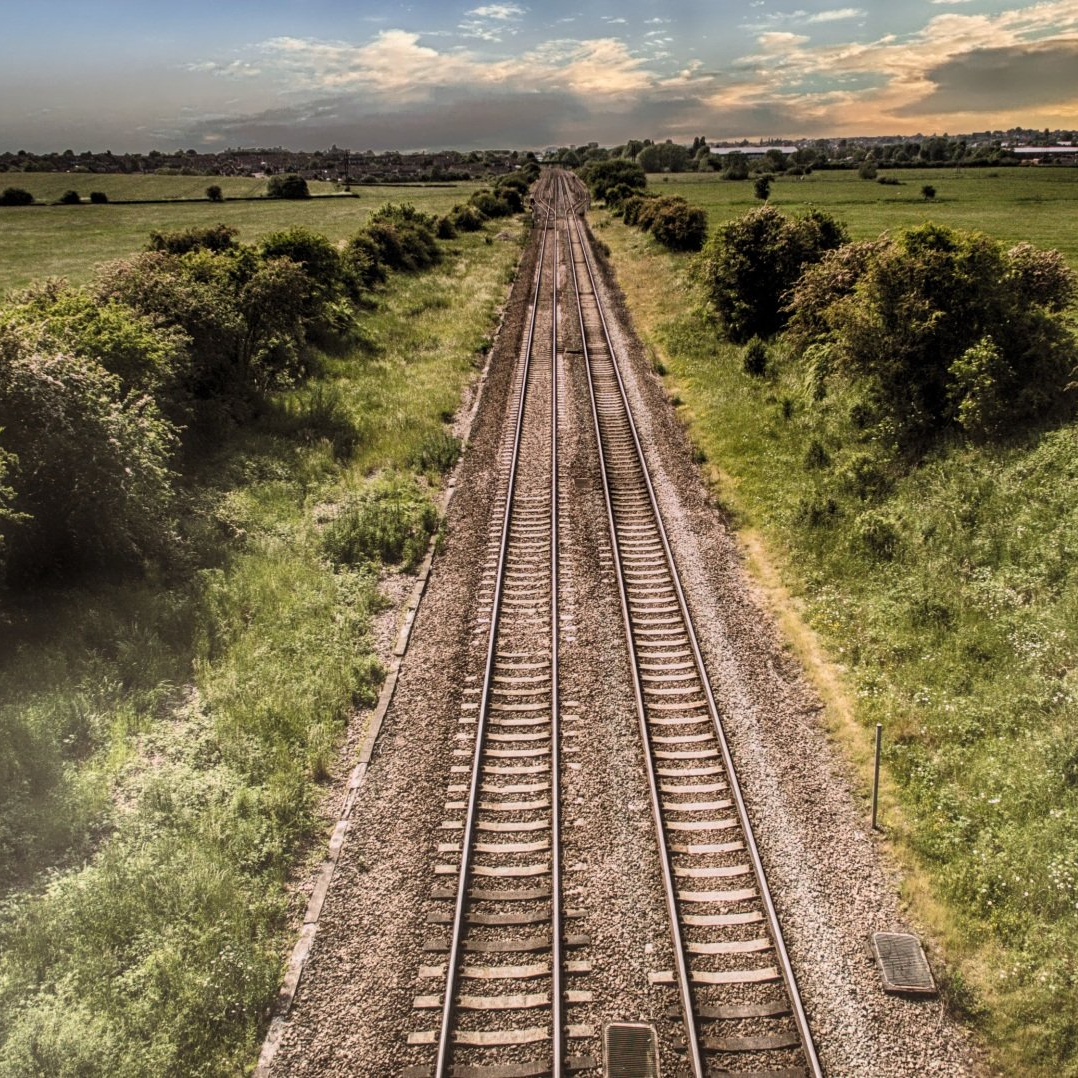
(353, 1012)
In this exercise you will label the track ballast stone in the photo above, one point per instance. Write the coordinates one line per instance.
(354, 1008)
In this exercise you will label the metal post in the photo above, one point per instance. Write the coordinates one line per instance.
(876, 775)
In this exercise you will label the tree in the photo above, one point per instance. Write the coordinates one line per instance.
(751, 263)
(942, 328)
(69, 198)
(289, 186)
(679, 226)
(762, 187)
(92, 471)
(867, 171)
(928, 192)
(214, 193)
(98, 198)
(604, 176)
(16, 196)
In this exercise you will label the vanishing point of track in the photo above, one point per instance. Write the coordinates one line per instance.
(504, 979)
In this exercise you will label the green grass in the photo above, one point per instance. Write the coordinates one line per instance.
(68, 241)
(1039, 205)
(172, 737)
(948, 606)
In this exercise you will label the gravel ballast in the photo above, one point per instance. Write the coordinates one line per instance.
(353, 1010)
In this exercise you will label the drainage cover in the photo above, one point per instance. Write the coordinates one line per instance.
(630, 1051)
(902, 963)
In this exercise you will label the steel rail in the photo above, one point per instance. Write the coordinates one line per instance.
(452, 969)
(786, 968)
(666, 863)
(557, 996)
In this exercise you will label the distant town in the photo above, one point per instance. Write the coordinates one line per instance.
(346, 166)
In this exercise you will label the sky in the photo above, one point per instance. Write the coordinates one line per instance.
(131, 76)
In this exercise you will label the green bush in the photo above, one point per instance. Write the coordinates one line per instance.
(16, 196)
(142, 353)
(289, 186)
(466, 218)
(210, 238)
(98, 198)
(754, 358)
(69, 198)
(943, 328)
(618, 173)
(679, 226)
(93, 472)
(750, 264)
(391, 521)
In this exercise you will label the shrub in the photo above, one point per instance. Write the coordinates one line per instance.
(761, 187)
(391, 521)
(98, 198)
(944, 328)
(317, 257)
(69, 198)
(290, 186)
(361, 262)
(53, 317)
(754, 358)
(466, 218)
(214, 193)
(928, 192)
(211, 238)
(446, 229)
(867, 171)
(679, 226)
(92, 475)
(490, 205)
(751, 263)
(404, 237)
(603, 177)
(16, 196)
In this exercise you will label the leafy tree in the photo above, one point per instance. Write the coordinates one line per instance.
(663, 157)
(212, 238)
(867, 171)
(735, 166)
(605, 176)
(214, 193)
(751, 263)
(16, 196)
(288, 186)
(761, 188)
(679, 226)
(944, 329)
(92, 475)
(55, 318)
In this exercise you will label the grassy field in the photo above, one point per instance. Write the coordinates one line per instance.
(176, 732)
(68, 241)
(1014, 204)
(960, 641)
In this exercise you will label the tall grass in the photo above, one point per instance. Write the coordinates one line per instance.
(947, 596)
(171, 741)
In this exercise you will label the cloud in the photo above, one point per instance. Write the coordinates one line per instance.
(497, 11)
(1017, 76)
(804, 18)
(491, 22)
(958, 67)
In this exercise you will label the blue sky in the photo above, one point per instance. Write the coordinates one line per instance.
(411, 75)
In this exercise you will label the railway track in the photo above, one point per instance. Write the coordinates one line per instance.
(507, 961)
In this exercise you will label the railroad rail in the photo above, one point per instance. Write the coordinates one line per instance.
(503, 1003)
(738, 997)
(505, 974)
